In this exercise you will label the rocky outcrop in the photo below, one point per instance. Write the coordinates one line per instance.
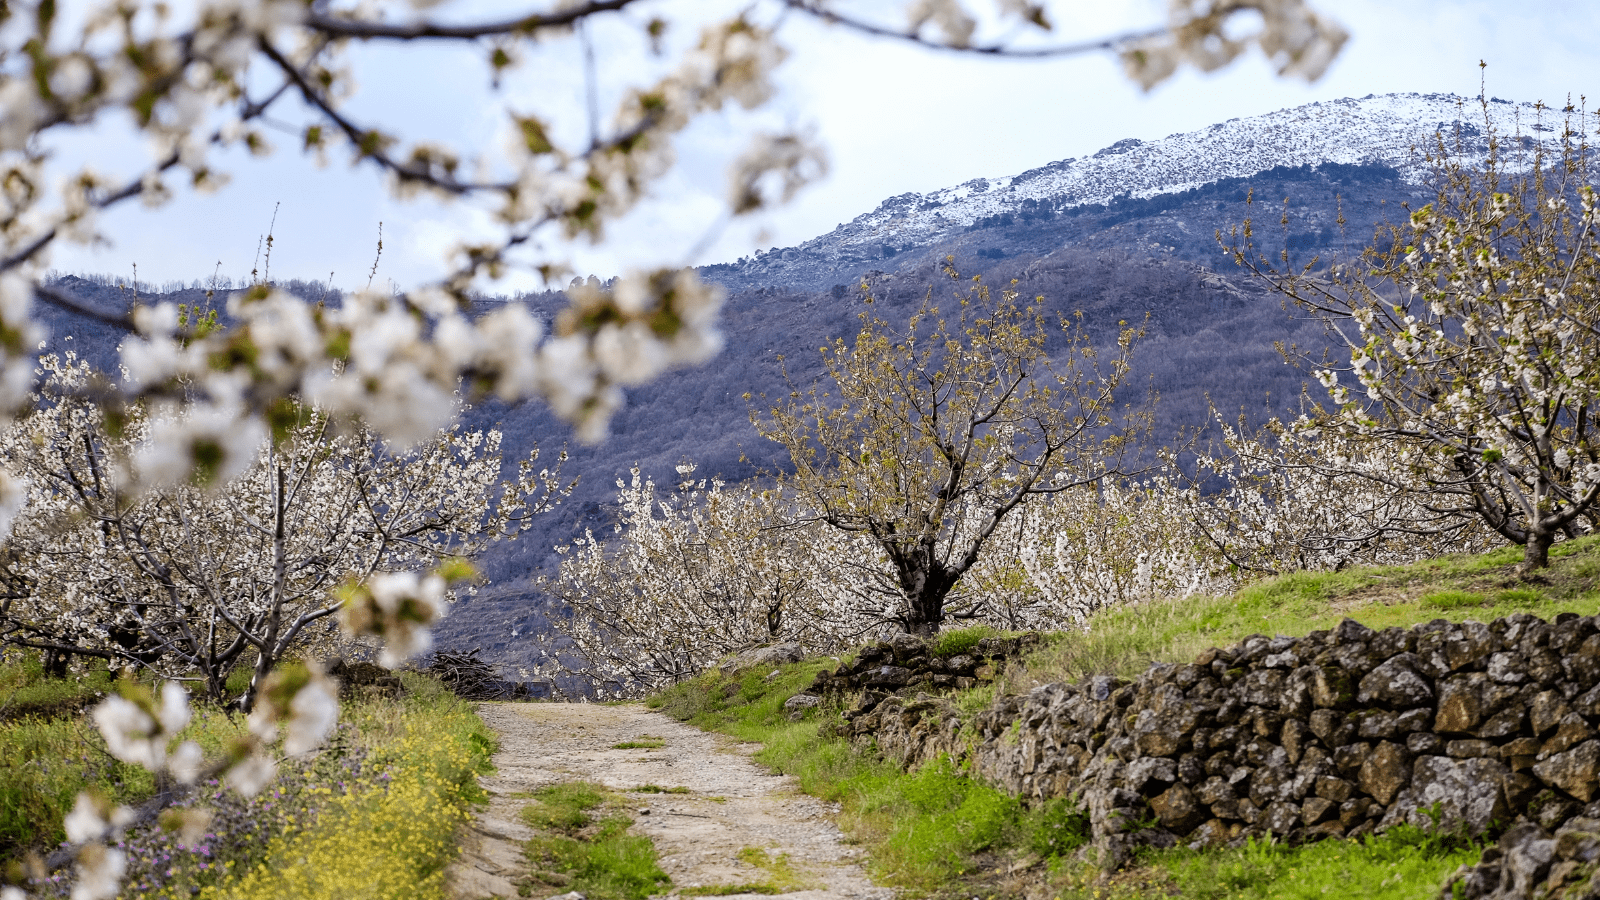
(1338, 733)
(893, 679)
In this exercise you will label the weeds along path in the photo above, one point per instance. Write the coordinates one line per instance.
(726, 822)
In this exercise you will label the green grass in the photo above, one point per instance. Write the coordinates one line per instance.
(563, 807)
(1125, 640)
(962, 640)
(26, 693)
(583, 844)
(781, 877)
(44, 763)
(646, 742)
(1402, 864)
(48, 753)
(658, 789)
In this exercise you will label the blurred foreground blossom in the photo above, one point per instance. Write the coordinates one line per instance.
(397, 607)
(303, 697)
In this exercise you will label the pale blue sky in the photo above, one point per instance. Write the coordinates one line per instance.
(894, 118)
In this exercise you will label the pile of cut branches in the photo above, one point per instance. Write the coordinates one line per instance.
(470, 678)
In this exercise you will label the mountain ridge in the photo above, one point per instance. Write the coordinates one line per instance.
(1388, 130)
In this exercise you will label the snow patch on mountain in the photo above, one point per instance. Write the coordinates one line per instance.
(1394, 130)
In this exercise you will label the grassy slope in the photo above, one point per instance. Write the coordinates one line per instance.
(48, 754)
(1483, 587)
(389, 835)
(372, 815)
(937, 832)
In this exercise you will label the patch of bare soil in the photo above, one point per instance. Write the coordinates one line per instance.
(730, 806)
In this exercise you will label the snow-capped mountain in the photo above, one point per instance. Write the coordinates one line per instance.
(1393, 130)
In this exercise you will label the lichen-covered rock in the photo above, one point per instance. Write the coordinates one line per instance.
(1574, 771)
(762, 657)
(1527, 863)
(1150, 775)
(1462, 703)
(1332, 687)
(1385, 771)
(1546, 712)
(887, 676)
(1396, 683)
(1464, 793)
(1157, 733)
(1177, 809)
(801, 702)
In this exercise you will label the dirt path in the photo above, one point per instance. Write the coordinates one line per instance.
(732, 803)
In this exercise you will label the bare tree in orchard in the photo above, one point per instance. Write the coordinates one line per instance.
(1474, 341)
(925, 439)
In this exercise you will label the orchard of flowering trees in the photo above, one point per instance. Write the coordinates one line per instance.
(192, 581)
(689, 576)
(234, 488)
(972, 466)
(979, 477)
(702, 571)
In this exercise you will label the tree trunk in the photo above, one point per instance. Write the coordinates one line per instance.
(925, 613)
(56, 663)
(926, 584)
(267, 651)
(1536, 553)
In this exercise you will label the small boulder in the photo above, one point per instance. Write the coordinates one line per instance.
(1461, 703)
(801, 702)
(1150, 775)
(1177, 809)
(1467, 793)
(887, 676)
(762, 657)
(1546, 712)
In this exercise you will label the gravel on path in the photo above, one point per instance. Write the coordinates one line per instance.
(731, 805)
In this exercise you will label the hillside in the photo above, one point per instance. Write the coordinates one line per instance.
(1127, 232)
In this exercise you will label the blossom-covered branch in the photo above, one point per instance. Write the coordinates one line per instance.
(1474, 348)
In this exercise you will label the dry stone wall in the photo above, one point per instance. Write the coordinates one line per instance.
(1339, 733)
